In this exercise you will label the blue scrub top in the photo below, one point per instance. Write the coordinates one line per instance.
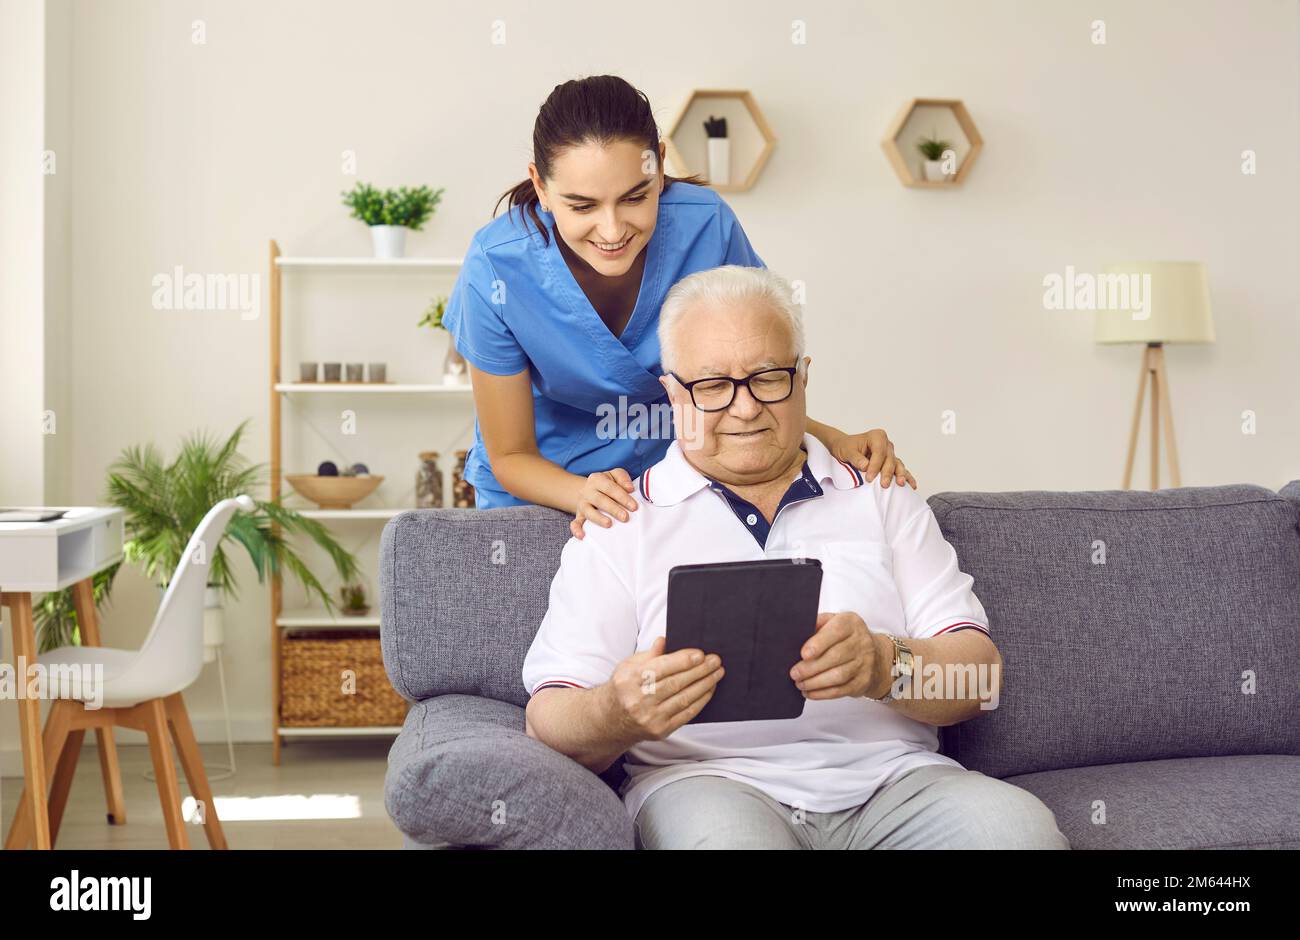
(517, 305)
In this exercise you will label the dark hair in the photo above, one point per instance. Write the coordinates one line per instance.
(600, 108)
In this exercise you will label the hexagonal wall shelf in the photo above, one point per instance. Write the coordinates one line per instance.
(751, 137)
(946, 118)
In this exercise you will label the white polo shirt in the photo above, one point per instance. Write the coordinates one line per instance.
(882, 555)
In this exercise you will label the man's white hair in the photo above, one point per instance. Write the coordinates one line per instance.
(728, 285)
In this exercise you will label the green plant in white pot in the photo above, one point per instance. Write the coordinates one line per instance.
(454, 370)
(164, 504)
(390, 213)
(936, 152)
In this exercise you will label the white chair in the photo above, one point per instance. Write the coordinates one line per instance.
(142, 690)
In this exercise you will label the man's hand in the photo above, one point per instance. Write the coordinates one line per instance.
(651, 695)
(843, 658)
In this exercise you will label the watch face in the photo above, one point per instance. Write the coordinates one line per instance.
(904, 663)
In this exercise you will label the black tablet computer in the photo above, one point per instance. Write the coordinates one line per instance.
(756, 615)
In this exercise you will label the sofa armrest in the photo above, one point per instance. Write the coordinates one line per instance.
(463, 771)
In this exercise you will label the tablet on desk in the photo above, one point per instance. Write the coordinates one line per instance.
(756, 615)
(31, 515)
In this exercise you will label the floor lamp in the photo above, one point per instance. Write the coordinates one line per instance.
(1165, 302)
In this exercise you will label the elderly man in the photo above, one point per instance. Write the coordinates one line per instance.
(859, 768)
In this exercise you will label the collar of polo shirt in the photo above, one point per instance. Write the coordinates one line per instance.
(673, 479)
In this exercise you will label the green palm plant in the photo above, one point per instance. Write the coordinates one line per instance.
(55, 618)
(165, 503)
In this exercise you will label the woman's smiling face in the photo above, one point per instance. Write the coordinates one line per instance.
(605, 200)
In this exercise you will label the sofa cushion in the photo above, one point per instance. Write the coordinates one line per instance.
(462, 595)
(1140, 658)
(1247, 802)
(462, 771)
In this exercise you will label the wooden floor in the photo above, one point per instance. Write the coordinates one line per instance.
(331, 778)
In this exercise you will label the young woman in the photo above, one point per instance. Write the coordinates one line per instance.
(557, 310)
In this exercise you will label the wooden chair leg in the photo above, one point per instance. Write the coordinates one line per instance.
(192, 761)
(83, 599)
(52, 745)
(62, 785)
(112, 774)
(154, 718)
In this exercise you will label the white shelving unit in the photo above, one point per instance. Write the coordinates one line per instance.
(315, 617)
(378, 731)
(375, 264)
(369, 388)
(384, 512)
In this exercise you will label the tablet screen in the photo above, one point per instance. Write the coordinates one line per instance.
(756, 615)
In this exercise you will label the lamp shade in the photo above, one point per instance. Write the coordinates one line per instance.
(1163, 302)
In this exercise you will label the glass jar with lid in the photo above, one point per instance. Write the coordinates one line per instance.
(428, 482)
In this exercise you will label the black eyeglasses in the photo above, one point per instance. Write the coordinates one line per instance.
(717, 392)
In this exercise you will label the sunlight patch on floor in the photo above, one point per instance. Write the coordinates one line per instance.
(281, 807)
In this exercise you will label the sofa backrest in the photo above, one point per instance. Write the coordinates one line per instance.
(1141, 657)
(1133, 625)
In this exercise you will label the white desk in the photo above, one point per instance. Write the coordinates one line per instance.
(37, 557)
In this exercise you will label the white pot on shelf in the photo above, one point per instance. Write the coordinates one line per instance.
(720, 160)
(934, 171)
(389, 240)
(454, 370)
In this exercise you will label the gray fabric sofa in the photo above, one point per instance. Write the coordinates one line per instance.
(1150, 697)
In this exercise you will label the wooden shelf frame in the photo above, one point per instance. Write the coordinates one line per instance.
(903, 167)
(755, 113)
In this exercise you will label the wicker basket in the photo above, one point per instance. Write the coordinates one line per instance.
(312, 678)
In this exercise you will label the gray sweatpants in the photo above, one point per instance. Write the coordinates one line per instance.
(935, 806)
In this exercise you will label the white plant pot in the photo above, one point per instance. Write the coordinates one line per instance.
(720, 160)
(454, 370)
(214, 627)
(934, 171)
(389, 240)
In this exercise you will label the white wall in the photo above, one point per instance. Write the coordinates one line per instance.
(22, 232)
(58, 253)
(918, 301)
(34, 283)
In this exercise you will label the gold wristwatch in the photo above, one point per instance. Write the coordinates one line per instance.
(901, 666)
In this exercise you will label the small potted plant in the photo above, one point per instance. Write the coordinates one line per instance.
(933, 150)
(390, 213)
(164, 503)
(454, 370)
(354, 600)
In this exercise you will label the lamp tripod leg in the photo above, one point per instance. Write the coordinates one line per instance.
(1155, 419)
(1166, 406)
(1143, 372)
